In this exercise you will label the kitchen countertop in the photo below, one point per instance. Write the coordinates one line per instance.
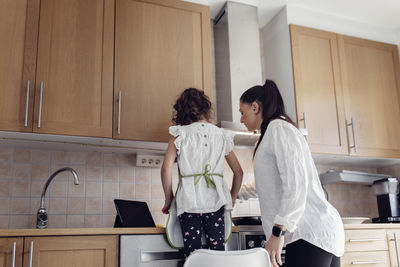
(371, 226)
(85, 231)
(144, 231)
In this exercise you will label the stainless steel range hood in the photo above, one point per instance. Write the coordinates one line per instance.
(237, 64)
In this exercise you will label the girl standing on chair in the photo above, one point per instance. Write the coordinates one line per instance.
(202, 201)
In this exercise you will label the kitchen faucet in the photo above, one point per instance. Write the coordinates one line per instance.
(42, 218)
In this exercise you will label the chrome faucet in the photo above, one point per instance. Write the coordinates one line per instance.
(42, 218)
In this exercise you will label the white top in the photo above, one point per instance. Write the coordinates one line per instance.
(290, 192)
(198, 145)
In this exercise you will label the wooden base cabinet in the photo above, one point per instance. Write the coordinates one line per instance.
(11, 252)
(77, 251)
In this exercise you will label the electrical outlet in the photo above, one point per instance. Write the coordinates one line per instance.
(149, 160)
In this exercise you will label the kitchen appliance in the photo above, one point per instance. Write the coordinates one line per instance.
(387, 196)
(153, 250)
(251, 233)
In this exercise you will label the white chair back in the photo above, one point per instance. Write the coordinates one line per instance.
(256, 257)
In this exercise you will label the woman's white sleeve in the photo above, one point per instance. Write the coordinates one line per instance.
(289, 152)
(248, 191)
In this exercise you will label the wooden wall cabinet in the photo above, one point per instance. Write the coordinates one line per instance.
(78, 251)
(161, 48)
(66, 57)
(317, 81)
(347, 93)
(371, 85)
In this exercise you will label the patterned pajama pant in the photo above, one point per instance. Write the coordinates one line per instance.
(193, 224)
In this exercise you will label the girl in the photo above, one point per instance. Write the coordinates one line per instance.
(202, 201)
(287, 184)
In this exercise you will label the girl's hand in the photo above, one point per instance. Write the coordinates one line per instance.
(274, 248)
(166, 207)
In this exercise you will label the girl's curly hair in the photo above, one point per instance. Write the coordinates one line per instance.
(191, 106)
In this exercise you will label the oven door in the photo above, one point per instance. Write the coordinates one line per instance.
(148, 251)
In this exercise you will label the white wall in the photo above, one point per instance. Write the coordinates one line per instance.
(277, 59)
(337, 24)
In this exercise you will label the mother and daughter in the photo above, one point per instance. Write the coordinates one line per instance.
(294, 210)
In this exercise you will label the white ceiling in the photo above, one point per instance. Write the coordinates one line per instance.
(383, 13)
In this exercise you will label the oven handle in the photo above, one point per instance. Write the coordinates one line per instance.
(148, 256)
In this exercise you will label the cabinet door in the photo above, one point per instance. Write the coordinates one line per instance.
(11, 249)
(77, 251)
(161, 48)
(371, 85)
(75, 68)
(319, 100)
(18, 36)
(394, 247)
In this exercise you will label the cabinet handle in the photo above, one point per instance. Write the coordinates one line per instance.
(14, 248)
(366, 262)
(397, 249)
(366, 240)
(27, 104)
(40, 105)
(119, 111)
(354, 135)
(30, 254)
(304, 119)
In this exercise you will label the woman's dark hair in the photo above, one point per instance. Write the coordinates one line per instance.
(271, 102)
(191, 106)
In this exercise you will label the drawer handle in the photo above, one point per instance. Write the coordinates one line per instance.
(30, 254)
(366, 262)
(14, 249)
(366, 240)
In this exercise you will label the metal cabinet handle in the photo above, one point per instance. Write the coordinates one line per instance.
(397, 249)
(14, 248)
(27, 104)
(304, 119)
(40, 105)
(366, 262)
(30, 253)
(354, 135)
(366, 240)
(119, 111)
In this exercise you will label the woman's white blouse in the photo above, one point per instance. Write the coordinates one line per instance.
(198, 145)
(290, 192)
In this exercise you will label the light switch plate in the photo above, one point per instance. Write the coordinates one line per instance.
(149, 160)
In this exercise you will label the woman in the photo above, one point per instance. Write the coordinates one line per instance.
(294, 210)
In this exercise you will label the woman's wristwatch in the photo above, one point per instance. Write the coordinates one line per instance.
(276, 231)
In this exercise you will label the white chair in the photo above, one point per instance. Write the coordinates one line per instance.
(256, 257)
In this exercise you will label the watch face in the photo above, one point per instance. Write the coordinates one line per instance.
(276, 231)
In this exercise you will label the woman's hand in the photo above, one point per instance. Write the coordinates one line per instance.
(274, 248)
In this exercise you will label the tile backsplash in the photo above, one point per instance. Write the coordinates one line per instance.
(105, 176)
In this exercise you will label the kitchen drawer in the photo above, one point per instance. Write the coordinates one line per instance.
(365, 259)
(365, 240)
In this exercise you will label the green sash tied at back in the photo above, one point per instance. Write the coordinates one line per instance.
(206, 174)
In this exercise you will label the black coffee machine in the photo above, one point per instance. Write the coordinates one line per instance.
(387, 196)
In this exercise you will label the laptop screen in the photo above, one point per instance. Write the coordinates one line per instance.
(132, 214)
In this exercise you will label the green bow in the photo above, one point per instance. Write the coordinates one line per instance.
(205, 174)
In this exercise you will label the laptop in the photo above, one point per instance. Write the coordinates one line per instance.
(132, 214)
